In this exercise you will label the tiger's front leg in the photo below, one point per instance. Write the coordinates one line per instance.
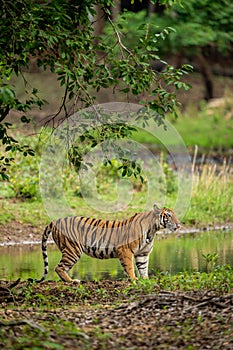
(142, 262)
(126, 259)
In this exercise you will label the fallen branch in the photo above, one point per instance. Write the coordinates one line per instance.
(21, 323)
(221, 302)
(10, 285)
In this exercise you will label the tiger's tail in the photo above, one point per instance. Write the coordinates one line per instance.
(45, 236)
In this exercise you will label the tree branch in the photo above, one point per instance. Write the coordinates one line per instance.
(122, 46)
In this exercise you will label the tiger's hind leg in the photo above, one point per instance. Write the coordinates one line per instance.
(66, 263)
(142, 262)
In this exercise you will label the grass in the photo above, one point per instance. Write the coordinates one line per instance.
(210, 203)
(24, 211)
(208, 127)
(212, 195)
(218, 279)
(212, 185)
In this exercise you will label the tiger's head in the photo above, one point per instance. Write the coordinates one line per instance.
(167, 218)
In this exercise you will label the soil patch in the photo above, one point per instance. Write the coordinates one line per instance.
(112, 315)
(18, 232)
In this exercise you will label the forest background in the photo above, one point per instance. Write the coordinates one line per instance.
(57, 57)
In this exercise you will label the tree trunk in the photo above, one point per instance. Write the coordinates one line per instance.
(99, 21)
(207, 76)
(115, 9)
(150, 9)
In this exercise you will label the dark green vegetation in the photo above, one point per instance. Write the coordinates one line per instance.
(165, 311)
(61, 37)
(198, 31)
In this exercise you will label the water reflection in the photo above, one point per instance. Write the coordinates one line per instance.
(173, 254)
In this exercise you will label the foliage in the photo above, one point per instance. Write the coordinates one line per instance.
(201, 23)
(171, 179)
(219, 279)
(191, 26)
(197, 29)
(59, 36)
(24, 170)
(210, 259)
(105, 135)
(24, 181)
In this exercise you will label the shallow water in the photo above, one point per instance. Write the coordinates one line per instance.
(171, 254)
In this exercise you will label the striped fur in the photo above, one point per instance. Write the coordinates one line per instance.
(103, 239)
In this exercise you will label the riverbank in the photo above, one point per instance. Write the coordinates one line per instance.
(18, 233)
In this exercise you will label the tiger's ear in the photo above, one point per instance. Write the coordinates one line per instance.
(156, 209)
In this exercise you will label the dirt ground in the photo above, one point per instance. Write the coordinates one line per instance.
(104, 316)
(108, 314)
(17, 232)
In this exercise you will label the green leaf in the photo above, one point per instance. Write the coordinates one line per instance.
(124, 172)
(8, 148)
(4, 176)
(24, 119)
(31, 152)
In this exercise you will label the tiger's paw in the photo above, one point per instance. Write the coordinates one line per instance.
(133, 279)
(76, 281)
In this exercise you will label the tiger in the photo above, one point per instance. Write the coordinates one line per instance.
(126, 240)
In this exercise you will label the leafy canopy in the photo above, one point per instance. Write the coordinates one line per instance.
(199, 23)
(60, 37)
